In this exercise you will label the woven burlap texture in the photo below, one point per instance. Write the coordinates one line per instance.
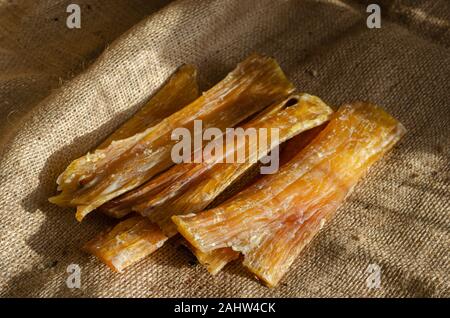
(62, 91)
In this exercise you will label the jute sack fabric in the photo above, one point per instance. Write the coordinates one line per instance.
(397, 218)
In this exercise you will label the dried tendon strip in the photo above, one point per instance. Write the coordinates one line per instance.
(296, 114)
(253, 85)
(273, 219)
(127, 243)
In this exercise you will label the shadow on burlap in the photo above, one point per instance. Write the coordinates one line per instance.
(397, 217)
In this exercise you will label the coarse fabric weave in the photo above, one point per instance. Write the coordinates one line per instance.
(62, 91)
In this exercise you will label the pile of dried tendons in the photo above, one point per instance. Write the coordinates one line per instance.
(268, 219)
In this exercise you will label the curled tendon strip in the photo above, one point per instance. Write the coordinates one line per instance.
(256, 83)
(265, 221)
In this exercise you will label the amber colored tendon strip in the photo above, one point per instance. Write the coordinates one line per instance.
(317, 178)
(127, 243)
(256, 83)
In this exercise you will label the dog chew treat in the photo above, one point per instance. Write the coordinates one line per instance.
(292, 116)
(256, 83)
(206, 181)
(180, 90)
(127, 243)
(215, 260)
(271, 221)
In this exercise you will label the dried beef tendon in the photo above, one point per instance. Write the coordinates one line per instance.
(201, 183)
(255, 84)
(271, 221)
(127, 243)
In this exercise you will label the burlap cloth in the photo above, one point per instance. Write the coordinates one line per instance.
(60, 95)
